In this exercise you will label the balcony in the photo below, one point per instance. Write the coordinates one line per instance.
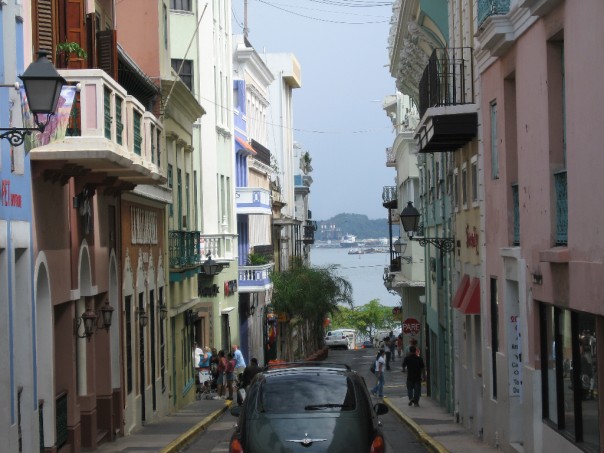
(110, 137)
(184, 250)
(488, 8)
(449, 117)
(220, 246)
(253, 200)
(309, 232)
(390, 197)
(255, 278)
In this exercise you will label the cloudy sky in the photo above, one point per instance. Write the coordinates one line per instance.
(342, 49)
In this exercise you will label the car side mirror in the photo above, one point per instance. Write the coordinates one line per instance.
(236, 410)
(379, 408)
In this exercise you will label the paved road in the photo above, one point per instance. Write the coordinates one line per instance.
(398, 438)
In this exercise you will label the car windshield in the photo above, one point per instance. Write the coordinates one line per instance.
(282, 394)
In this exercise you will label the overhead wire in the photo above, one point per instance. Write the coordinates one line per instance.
(321, 19)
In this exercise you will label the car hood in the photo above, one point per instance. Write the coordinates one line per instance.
(317, 433)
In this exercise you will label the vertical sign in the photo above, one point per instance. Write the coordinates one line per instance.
(514, 356)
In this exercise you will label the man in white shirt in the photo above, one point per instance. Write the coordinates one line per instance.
(380, 367)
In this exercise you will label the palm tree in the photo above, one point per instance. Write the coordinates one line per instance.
(307, 295)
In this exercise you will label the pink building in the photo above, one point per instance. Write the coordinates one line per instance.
(541, 67)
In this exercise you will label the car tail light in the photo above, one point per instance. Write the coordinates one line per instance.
(378, 445)
(235, 446)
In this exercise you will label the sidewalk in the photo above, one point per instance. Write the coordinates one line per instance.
(432, 424)
(170, 433)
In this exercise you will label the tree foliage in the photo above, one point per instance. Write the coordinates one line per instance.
(307, 295)
(366, 319)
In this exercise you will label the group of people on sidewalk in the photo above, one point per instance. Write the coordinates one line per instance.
(220, 367)
(412, 364)
(212, 365)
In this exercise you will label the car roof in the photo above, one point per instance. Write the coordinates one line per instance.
(303, 366)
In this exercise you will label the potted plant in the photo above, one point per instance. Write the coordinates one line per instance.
(255, 259)
(65, 50)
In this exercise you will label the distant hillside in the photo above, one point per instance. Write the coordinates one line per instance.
(358, 224)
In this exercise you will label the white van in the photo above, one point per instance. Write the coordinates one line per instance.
(378, 338)
(341, 338)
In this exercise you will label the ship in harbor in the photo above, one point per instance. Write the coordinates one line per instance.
(348, 240)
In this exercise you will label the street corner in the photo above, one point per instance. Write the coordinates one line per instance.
(431, 443)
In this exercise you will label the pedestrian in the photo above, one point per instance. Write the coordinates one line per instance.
(204, 365)
(413, 365)
(392, 340)
(412, 342)
(399, 345)
(250, 371)
(380, 367)
(230, 375)
(197, 353)
(387, 350)
(239, 360)
(221, 380)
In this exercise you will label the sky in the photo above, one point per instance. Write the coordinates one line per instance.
(341, 46)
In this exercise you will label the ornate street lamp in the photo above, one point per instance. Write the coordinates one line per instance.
(410, 220)
(42, 85)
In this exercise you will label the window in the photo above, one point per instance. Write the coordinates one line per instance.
(128, 328)
(170, 185)
(184, 68)
(494, 153)
(494, 335)
(294, 394)
(181, 5)
(474, 179)
(569, 374)
(456, 189)
(464, 186)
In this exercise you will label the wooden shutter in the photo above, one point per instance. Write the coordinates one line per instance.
(76, 30)
(91, 26)
(107, 51)
(44, 14)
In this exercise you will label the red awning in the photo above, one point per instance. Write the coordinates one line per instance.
(471, 301)
(461, 291)
(245, 145)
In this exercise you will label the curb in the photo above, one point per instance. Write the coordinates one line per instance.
(188, 435)
(432, 444)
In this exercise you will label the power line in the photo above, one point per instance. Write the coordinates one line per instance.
(320, 19)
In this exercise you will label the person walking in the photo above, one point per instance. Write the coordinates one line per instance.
(414, 366)
(204, 366)
(399, 345)
(221, 380)
(250, 371)
(380, 368)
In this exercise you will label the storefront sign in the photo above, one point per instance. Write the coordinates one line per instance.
(9, 199)
(209, 291)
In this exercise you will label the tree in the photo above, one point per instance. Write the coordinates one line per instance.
(366, 319)
(307, 295)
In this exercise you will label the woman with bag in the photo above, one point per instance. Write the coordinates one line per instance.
(380, 367)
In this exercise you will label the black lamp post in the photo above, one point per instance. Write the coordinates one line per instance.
(210, 267)
(410, 220)
(42, 85)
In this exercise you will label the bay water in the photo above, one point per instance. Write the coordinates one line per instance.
(364, 272)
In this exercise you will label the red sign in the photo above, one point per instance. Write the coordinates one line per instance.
(411, 326)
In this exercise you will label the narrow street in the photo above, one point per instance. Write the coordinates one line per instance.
(398, 437)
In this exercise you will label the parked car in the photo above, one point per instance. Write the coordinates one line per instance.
(308, 406)
(367, 344)
(340, 338)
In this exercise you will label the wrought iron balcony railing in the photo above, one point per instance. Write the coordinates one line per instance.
(488, 8)
(309, 232)
(184, 249)
(447, 79)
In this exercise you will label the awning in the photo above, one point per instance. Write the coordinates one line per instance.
(471, 301)
(461, 291)
(245, 145)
